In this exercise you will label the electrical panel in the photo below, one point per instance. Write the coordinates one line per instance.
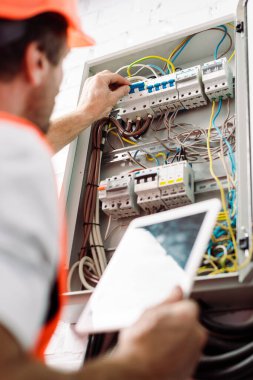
(196, 142)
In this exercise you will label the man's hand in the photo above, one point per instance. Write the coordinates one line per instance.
(166, 342)
(101, 92)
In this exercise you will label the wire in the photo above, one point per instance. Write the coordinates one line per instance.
(231, 56)
(181, 46)
(223, 198)
(157, 68)
(168, 62)
(142, 67)
(231, 25)
(123, 138)
(221, 41)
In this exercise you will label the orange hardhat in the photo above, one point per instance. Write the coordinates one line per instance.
(23, 9)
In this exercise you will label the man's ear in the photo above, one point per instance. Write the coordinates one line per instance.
(36, 65)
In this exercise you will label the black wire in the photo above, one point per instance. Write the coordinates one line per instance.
(94, 346)
(233, 372)
(232, 356)
(216, 345)
(243, 330)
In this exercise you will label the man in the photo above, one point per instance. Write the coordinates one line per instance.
(167, 341)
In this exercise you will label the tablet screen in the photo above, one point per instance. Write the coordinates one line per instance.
(177, 236)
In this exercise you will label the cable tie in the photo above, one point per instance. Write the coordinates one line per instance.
(92, 184)
(104, 134)
(96, 245)
(91, 223)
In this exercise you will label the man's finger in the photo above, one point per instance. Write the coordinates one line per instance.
(120, 92)
(113, 78)
(175, 296)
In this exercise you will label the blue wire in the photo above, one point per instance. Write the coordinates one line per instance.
(135, 153)
(230, 150)
(180, 50)
(157, 68)
(221, 41)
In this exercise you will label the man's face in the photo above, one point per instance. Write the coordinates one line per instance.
(42, 98)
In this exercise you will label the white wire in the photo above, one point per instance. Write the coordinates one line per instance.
(136, 78)
(141, 68)
(82, 263)
(108, 227)
(93, 243)
(71, 272)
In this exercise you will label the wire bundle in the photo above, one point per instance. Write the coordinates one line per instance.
(193, 139)
(92, 259)
(222, 250)
(229, 351)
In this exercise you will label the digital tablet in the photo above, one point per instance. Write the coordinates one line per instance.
(157, 253)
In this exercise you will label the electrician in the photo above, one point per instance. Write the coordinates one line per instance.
(167, 340)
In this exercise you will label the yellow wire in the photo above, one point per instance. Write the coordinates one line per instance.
(169, 63)
(222, 193)
(231, 25)
(123, 138)
(232, 55)
(159, 154)
(178, 47)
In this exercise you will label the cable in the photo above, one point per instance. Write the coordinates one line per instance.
(157, 68)
(142, 66)
(223, 198)
(221, 41)
(181, 46)
(231, 56)
(168, 62)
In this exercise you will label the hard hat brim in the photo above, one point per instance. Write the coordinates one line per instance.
(13, 10)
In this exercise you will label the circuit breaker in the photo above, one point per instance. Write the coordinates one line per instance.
(218, 79)
(190, 87)
(146, 186)
(118, 197)
(176, 182)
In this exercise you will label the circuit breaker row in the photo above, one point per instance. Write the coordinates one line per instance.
(184, 89)
(152, 190)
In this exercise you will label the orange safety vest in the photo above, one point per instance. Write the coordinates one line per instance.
(59, 285)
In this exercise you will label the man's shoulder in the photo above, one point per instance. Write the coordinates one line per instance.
(17, 137)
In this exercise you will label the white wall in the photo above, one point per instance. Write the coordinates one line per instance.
(116, 24)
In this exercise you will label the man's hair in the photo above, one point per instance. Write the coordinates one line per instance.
(47, 29)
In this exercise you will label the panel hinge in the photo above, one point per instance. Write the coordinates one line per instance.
(240, 27)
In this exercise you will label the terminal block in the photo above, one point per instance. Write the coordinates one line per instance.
(146, 186)
(190, 88)
(176, 182)
(118, 197)
(218, 79)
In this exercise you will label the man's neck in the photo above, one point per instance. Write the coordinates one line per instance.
(12, 98)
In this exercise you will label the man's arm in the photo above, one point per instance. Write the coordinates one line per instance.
(164, 344)
(100, 93)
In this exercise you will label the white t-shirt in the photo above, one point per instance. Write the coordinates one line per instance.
(29, 230)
